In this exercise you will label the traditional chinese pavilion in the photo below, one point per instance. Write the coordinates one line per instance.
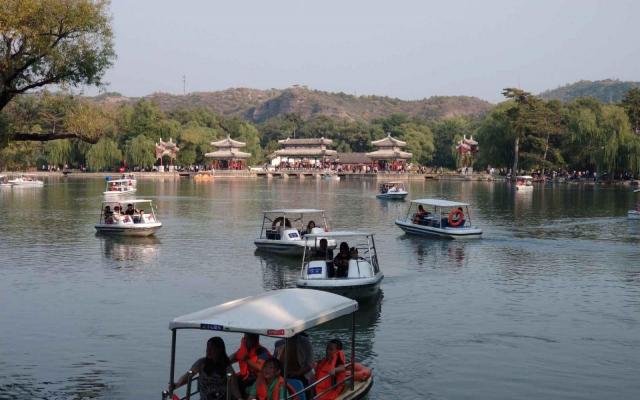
(228, 155)
(390, 154)
(304, 153)
(169, 149)
(467, 149)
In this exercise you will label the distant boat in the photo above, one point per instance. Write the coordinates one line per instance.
(119, 187)
(141, 223)
(392, 190)
(524, 183)
(26, 181)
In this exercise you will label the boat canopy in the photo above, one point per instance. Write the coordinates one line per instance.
(524, 177)
(110, 181)
(392, 183)
(278, 313)
(336, 234)
(132, 201)
(294, 211)
(439, 203)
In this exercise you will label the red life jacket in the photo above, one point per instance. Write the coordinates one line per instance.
(323, 368)
(261, 389)
(245, 370)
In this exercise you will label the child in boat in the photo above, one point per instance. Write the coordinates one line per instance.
(270, 384)
(333, 364)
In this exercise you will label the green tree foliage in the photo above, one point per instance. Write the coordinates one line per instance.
(446, 134)
(140, 151)
(416, 133)
(59, 152)
(495, 138)
(194, 141)
(103, 155)
(631, 104)
(43, 42)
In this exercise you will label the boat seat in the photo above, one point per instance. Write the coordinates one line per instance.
(317, 269)
(359, 268)
(273, 234)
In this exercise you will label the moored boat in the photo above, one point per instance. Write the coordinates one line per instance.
(26, 181)
(393, 190)
(132, 221)
(354, 273)
(282, 230)
(4, 181)
(524, 183)
(439, 218)
(280, 314)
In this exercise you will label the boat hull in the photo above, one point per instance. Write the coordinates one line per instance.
(392, 196)
(633, 214)
(524, 188)
(288, 248)
(128, 229)
(444, 233)
(354, 288)
(360, 390)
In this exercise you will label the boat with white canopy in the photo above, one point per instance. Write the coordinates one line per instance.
(120, 187)
(282, 230)
(635, 213)
(439, 218)
(330, 175)
(393, 190)
(278, 314)
(355, 274)
(26, 181)
(524, 182)
(128, 218)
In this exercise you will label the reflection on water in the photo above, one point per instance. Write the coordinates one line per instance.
(278, 272)
(142, 250)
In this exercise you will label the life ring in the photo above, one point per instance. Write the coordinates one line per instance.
(279, 222)
(456, 217)
(362, 373)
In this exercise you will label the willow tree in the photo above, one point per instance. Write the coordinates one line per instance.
(59, 152)
(103, 155)
(45, 42)
(631, 104)
(140, 151)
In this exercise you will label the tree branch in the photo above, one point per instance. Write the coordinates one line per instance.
(45, 137)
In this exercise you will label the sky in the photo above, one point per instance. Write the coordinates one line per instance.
(405, 49)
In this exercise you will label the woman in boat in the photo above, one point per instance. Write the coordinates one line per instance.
(333, 364)
(341, 261)
(270, 384)
(212, 373)
(310, 227)
(420, 215)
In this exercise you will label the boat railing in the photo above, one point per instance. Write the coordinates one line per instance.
(319, 381)
(188, 393)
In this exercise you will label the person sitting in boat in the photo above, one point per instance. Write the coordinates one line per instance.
(250, 358)
(310, 227)
(324, 253)
(419, 217)
(300, 359)
(341, 261)
(333, 364)
(108, 215)
(130, 210)
(270, 385)
(212, 373)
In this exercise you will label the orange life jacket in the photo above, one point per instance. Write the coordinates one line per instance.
(245, 369)
(261, 389)
(323, 368)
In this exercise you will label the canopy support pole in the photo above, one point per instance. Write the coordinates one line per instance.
(353, 349)
(173, 361)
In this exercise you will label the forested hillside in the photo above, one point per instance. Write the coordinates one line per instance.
(260, 105)
(607, 91)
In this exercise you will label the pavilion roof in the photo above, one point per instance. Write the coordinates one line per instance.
(228, 142)
(389, 154)
(228, 154)
(389, 141)
(296, 142)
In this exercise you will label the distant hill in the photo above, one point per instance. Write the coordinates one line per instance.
(607, 91)
(259, 105)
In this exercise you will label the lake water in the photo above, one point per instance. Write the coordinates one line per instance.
(546, 305)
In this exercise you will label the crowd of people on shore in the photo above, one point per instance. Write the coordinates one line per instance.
(260, 374)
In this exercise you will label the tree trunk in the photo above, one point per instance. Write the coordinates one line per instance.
(544, 156)
(516, 149)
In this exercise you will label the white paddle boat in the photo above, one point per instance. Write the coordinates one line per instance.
(439, 218)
